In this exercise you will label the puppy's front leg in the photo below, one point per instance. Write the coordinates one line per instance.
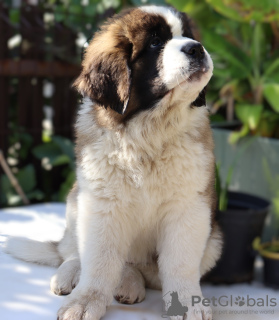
(103, 246)
(183, 236)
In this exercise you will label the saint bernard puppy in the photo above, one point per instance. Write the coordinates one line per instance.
(141, 213)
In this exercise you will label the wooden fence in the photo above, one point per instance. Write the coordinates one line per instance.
(24, 70)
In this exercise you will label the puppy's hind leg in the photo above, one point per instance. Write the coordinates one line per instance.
(66, 277)
(131, 288)
(150, 272)
(212, 251)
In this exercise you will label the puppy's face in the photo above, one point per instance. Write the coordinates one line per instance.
(142, 56)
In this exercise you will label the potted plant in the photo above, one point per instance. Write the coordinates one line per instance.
(241, 217)
(243, 94)
(269, 252)
(246, 58)
(241, 222)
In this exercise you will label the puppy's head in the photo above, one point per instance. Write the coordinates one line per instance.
(141, 56)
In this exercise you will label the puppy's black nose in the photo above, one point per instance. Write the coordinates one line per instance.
(194, 50)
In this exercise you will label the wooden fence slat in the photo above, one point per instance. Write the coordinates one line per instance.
(24, 103)
(31, 68)
(37, 108)
(37, 68)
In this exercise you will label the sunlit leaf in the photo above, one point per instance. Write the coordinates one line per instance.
(249, 114)
(236, 136)
(271, 94)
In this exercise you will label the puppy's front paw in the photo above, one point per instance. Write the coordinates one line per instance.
(66, 277)
(83, 306)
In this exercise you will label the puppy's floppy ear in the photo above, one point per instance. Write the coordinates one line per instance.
(106, 76)
(200, 101)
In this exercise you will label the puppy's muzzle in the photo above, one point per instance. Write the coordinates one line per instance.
(194, 50)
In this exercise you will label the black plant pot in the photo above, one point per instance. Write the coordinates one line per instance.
(241, 223)
(271, 272)
(270, 254)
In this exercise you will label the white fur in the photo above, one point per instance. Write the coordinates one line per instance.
(33, 251)
(170, 16)
(178, 70)
(140, 191)
(131, 288)
(66, 278)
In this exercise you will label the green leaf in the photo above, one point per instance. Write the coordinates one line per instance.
(26, 178)
(271, 94)
(14, 15)
(35, 195)
(222, 8)
(62, 159)
(228, 53)
(273, 67)
(66, 186)
(48, 150)
(5, 184)
(91, 10)
(223, 200)
(6, 188)
(249, 114)
(59, 17)
(247, 10)
(25, 140)
(274, 77)
(217, 118)
(256, 243)
(227, 70)
(65, 145)
(258, 47)
(58, 152)
(268, 124)
(75, 9)
(146, 2)
(218, 185)
(178, 4)
(236, 136)
(51, 154)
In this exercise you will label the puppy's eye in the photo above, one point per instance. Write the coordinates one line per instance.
(155, 42)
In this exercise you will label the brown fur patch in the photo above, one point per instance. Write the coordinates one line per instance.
(111, 64)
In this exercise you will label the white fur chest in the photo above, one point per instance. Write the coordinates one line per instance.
(153, 169)
(181, 169)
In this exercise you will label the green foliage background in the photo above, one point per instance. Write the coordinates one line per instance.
(242, 37)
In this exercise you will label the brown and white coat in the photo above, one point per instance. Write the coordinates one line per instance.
(142, 210)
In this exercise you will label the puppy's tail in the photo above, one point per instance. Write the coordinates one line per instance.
(45, 253)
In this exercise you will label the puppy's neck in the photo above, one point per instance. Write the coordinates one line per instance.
(147, 133)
